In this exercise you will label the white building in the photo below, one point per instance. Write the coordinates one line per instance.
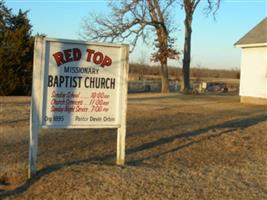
(253, 77)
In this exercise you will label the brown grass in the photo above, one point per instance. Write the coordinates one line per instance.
(178, 147)
(144, 70)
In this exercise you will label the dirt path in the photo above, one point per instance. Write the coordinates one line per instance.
(178, 147)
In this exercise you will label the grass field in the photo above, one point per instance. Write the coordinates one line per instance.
(177, 147)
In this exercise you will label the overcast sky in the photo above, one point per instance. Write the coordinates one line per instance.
(212, 42)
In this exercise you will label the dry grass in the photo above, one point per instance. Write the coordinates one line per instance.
(178, 147)
(138, 71)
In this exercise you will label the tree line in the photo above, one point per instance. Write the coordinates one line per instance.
(146, 19)
(139, 71)
(129, 21)
(16, 52)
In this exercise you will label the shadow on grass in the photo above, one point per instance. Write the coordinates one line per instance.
(49, 169)
(231, 125)
(14, 121)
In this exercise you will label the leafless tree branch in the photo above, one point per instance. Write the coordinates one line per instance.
(133, 19)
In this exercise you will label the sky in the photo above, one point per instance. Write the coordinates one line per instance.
(212, 39)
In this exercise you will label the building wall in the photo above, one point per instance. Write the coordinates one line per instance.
(253, 79)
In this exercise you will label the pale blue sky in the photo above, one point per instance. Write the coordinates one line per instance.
(212, 42)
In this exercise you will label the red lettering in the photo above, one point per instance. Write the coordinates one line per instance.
(106, 62)
(67, 54)
(98, 58)
(59, 58)
(77, 54)
(89, 55)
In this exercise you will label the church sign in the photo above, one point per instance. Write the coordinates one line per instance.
(77, 84)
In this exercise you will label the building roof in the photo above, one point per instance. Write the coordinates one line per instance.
(256, 36)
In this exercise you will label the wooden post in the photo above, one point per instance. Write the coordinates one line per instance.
(121, 132)
(35, 106)
(32, 169)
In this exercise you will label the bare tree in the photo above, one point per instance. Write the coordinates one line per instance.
(189, 8)
(132, 19)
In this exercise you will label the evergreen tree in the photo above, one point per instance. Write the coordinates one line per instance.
(16, 52)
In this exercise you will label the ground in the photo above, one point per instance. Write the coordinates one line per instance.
(178, 147)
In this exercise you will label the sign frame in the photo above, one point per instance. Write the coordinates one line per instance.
(37, 99)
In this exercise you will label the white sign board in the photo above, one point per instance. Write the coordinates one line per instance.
(77, 84)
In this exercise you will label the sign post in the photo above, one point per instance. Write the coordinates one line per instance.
(77, 84)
